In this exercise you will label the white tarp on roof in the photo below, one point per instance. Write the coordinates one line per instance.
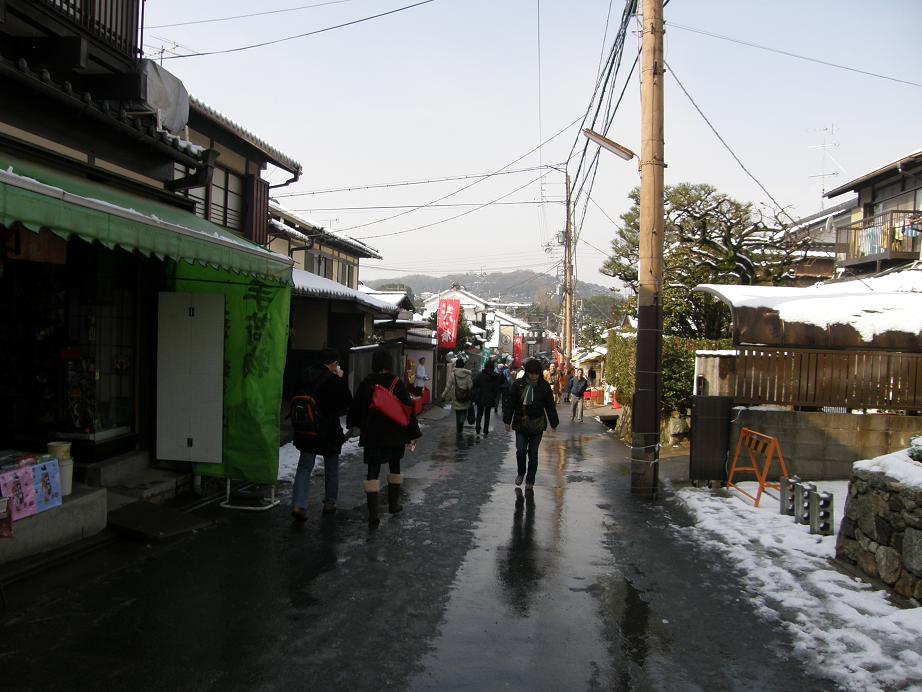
(307, 284)
(872, 306)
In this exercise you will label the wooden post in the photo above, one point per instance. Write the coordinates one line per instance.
(647, 390)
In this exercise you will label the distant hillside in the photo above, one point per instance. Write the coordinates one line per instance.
(523, 286)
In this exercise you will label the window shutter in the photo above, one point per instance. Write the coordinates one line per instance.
(257, 205)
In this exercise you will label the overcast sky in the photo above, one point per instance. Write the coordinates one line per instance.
(451, 88)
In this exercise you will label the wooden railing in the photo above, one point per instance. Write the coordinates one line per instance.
(114, 22)
(890, 232)
(816, 378)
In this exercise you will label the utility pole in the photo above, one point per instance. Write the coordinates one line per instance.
(568, 279)
(648, 379)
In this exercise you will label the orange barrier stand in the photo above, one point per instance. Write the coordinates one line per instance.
(756, 443)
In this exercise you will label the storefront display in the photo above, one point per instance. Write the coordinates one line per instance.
(31, 484)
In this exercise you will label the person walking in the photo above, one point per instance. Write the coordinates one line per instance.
(382, 439)
(459, 392)
(505, 383)
(530, 408)
(421, 376)
(553, 379)
(566, 385)
(324, 384)
(486, 388)
(578, 386)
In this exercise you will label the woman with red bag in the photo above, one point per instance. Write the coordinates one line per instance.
(382, 439)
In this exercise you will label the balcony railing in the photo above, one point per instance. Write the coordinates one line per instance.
(115, 22)
(892, 234)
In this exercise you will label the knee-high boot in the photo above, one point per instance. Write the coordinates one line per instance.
(394, 481)
(371, 495)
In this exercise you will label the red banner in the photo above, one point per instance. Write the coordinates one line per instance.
(447, 323)
(518, 344)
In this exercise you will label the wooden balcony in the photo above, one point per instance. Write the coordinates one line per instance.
(113, 22)
(885, 239)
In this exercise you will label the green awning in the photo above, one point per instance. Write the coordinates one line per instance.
(37, 197)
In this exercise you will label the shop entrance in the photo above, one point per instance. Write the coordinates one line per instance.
(68, 344)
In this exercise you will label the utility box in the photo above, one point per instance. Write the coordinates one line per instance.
(710, 438)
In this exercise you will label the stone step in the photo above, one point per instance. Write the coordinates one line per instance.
(81, 514)
(115, 471)
(153, 485)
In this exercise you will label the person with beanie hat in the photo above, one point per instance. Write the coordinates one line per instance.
(324, 382)
(382, 440)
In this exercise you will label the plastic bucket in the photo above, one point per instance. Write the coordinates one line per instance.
(67, 475)
(59, 449)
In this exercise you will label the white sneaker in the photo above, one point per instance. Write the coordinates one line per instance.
(519, 479)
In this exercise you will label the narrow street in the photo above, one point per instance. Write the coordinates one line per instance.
(583, 588)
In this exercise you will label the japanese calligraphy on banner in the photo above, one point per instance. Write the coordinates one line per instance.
(518, 344)
(447, 323)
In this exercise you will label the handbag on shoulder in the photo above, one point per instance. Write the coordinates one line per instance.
(385, 402)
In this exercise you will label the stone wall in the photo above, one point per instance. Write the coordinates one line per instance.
(882, 531)
(823, 446)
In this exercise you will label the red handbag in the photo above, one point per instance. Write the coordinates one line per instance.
(385, 402)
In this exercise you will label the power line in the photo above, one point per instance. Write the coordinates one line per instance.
(253, 14)
(431, 206)
(727, 146)
(470, 185)
(456, 216)
(457, 269)
(794, 55)
(304, 35)
(409, 182)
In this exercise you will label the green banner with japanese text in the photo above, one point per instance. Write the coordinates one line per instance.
(256, 314)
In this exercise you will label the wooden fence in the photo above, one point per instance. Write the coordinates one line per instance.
(816, 378)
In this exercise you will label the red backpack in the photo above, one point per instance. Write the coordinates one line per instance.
(305, 415)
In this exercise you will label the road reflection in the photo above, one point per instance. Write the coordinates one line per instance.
(520, 567)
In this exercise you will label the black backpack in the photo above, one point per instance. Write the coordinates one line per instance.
(305, 415)
(304, 412)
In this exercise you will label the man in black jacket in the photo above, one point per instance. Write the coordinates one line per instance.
(576, 389)
(528, 410)
(325, 383)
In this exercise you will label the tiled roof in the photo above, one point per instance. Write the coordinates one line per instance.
(271, 152)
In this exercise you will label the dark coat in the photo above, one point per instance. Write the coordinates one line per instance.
(486, 388)
(542, 404)
(333, 399)
(379, 431)
(578, 386)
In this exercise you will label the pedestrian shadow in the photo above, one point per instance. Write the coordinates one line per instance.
(520, 569)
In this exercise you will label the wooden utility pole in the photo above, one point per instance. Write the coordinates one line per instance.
(648, 379)
(568, 279)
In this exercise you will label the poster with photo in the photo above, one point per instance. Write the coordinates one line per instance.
(47, 483)
(19, 486)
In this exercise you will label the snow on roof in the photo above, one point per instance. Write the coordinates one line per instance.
(288, 231)
(392, 297)
(322, 234)
(871, 306)
(515, 321)
(898, 466)
(277, 156)
(475, 330)
(307, 284)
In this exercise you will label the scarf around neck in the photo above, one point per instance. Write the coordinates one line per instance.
(529, 396)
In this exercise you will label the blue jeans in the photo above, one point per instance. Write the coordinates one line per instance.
(527, 446)
(303, 478)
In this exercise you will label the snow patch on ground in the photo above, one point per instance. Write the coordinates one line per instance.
(849, 630)
(288, 459)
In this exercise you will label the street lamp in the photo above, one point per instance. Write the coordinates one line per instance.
(609, 145)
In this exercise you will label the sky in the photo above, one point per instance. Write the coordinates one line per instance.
(462, 87)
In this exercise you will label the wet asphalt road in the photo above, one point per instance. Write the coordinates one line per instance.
(584, 588)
